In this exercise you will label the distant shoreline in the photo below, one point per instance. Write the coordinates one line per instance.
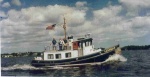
(24, 54)
(136, 47)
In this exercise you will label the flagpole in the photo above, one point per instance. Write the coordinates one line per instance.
(64, 26)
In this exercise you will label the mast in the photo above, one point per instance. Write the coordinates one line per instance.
(64, 26)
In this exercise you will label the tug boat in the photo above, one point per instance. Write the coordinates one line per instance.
(80, 52)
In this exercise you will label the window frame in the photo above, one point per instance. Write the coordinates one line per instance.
(58, 56)
(68, 54)
(50, 56)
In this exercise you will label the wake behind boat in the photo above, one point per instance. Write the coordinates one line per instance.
(78, 52)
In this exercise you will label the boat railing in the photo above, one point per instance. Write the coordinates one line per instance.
(47, 48)
(38, 58)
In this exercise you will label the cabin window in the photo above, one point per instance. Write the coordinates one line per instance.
(80, 45)
(50, 56)
(87, 43)
(68, 55)
(58, 56)
(91, 43)
(83, 44)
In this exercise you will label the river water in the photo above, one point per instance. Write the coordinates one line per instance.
(133, 64)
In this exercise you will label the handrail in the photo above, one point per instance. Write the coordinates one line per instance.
(45, 48)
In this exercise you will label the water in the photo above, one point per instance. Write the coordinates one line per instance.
(133, 64)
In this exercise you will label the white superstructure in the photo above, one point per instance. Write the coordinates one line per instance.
(80, 47)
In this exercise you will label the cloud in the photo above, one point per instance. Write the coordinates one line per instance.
(1, 1)
(81, 4)
(2, 14)
(108, 13)
(76, 18)
(6, 5)
(110, 23)
(16, 2)
(135, 27)
(30, 26)
(134, 7)
(136, 3)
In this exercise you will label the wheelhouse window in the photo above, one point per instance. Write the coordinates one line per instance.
(50, 56)
(68, 55)
(87, 43)
(80, 45)
(58, 56)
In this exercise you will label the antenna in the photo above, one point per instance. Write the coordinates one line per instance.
(64, 26)
(88, 35)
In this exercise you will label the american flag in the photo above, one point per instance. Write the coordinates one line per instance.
(50, 27)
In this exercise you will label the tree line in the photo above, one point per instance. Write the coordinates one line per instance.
(136, 47)
(23, 54)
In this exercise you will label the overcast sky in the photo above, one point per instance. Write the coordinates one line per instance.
(23, 22)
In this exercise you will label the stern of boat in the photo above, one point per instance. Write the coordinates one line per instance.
(36, 61)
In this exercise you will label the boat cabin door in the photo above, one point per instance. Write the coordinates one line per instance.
(78, 46)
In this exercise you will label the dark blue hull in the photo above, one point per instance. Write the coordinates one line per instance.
(96, 57)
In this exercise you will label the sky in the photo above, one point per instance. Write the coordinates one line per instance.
(23, 22)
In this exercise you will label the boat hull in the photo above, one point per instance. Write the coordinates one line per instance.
(96, 57)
